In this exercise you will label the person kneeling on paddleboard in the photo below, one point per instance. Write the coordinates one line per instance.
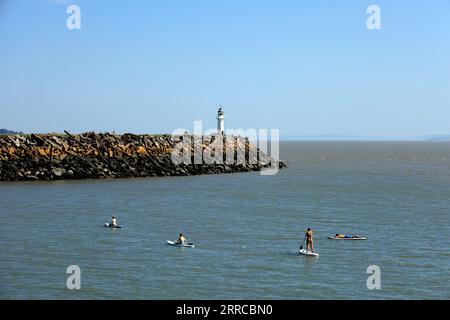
(113, 221)
(181, 239)
(309, 240)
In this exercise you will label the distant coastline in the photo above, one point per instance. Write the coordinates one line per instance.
(361, 138)
(438, 138)
(6, 131)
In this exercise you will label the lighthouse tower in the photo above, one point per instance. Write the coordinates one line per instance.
(220, 121)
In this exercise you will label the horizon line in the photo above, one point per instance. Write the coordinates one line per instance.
(282, 137)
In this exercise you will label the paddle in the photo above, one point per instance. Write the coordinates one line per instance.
(301, 247)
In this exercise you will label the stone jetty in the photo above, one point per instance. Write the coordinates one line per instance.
(104, 155)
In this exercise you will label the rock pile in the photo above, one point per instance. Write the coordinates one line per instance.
(104, 155)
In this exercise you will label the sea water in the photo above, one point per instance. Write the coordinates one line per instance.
(246, 228)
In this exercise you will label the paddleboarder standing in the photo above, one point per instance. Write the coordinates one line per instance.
(309, 240)
(113, 221)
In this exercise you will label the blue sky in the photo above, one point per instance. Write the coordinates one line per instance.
(304, 67)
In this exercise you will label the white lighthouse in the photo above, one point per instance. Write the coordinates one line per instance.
(220, 121)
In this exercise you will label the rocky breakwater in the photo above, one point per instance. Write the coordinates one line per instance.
(104, 155)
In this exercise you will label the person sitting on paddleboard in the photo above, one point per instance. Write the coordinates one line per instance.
(309, 240)
(113, 221)
(181, 239)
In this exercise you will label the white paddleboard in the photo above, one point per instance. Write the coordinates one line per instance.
(173, 243)
(107, 225)
(308, 253)
(359, 238)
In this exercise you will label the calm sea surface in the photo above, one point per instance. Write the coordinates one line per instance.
(246, 227)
